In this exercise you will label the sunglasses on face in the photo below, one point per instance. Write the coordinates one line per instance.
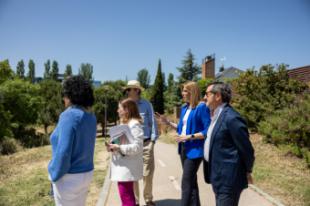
(134, 89)
(208, 93)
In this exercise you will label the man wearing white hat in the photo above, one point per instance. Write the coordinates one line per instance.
(133, 90)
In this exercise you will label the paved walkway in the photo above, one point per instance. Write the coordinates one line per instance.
(167, 182)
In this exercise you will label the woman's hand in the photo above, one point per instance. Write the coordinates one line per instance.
(107, 146)
(162, 118)
(183, 138)
(112, 147)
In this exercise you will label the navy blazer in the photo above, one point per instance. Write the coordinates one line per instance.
(198, 121)
(231, 153)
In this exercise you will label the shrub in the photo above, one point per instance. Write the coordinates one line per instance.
(8, 146)
(29, 138)
(259, 94)
(291, 126)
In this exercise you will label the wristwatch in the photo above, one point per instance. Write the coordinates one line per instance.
(192, 136)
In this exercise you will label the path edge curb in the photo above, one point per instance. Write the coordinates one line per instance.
(103, 196)
(265, 195)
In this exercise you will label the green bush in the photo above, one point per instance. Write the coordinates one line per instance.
(259, 94)
(8, 146)
(290, 126)
(4, 122)
(29, 138)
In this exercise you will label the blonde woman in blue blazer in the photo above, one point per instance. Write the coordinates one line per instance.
(191, 129)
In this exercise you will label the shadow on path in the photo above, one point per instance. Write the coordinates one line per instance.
(168, 202)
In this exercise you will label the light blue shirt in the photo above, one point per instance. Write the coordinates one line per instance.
(149, 123)
(73, 143)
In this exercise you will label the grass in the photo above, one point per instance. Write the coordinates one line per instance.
(23, 177)
(283, 176)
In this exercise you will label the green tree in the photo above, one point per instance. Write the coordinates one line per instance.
(5, 71)
(51, 103)
(202, 83)
(5, 121)
(68, 71)
(164, 81)
(158, 91)
(20, 69)
(189, 70)
(290, 126)
(55, 71)
(170, 95)
(222, 68)
(170, 82)
(144, 78)
(47, 67)
(22, 102)
(86, 70)
(107, 97)
(261, 93)
(31, 72)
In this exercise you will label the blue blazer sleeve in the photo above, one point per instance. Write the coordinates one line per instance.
(61, 161)
(240, 136)
(205, 118)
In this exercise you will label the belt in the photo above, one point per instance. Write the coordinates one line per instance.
(147, 139)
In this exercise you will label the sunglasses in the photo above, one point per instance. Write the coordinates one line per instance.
(135, 89)
(209, 93)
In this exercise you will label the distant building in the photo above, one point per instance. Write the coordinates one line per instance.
(301, 73)
(228, 73)
(208, 67)
(208, 70)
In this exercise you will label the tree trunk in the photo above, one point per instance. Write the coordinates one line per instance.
(45, 129)
(103, 132)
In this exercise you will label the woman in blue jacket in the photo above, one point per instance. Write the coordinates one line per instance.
(73, 143)
(192, 129)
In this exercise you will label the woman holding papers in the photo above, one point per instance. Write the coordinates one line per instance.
(126, 147)
(191, 131)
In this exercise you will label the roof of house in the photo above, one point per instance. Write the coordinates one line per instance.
(230, 72)
(300, 73)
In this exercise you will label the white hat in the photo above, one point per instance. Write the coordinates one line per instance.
(133, 84)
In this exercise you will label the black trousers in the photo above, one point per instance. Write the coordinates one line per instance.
(190, 191)
(229, 199)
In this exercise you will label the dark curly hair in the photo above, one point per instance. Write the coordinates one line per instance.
(79, 91)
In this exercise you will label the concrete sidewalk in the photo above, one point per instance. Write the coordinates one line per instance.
(167, 183)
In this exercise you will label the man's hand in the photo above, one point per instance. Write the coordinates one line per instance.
(250, 178)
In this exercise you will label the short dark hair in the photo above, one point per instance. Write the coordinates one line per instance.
(222, 88)
(79, 91)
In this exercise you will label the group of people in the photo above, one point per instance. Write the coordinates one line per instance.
(209, 131)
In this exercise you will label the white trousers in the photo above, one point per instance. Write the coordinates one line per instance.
(72, 189)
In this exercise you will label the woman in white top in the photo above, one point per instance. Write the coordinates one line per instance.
(127, 159)
(192, 129)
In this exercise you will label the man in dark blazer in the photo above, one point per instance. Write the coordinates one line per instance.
(228, 152)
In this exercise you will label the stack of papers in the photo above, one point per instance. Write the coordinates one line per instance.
(120, 134)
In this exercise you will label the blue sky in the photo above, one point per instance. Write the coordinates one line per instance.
(120, 37)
